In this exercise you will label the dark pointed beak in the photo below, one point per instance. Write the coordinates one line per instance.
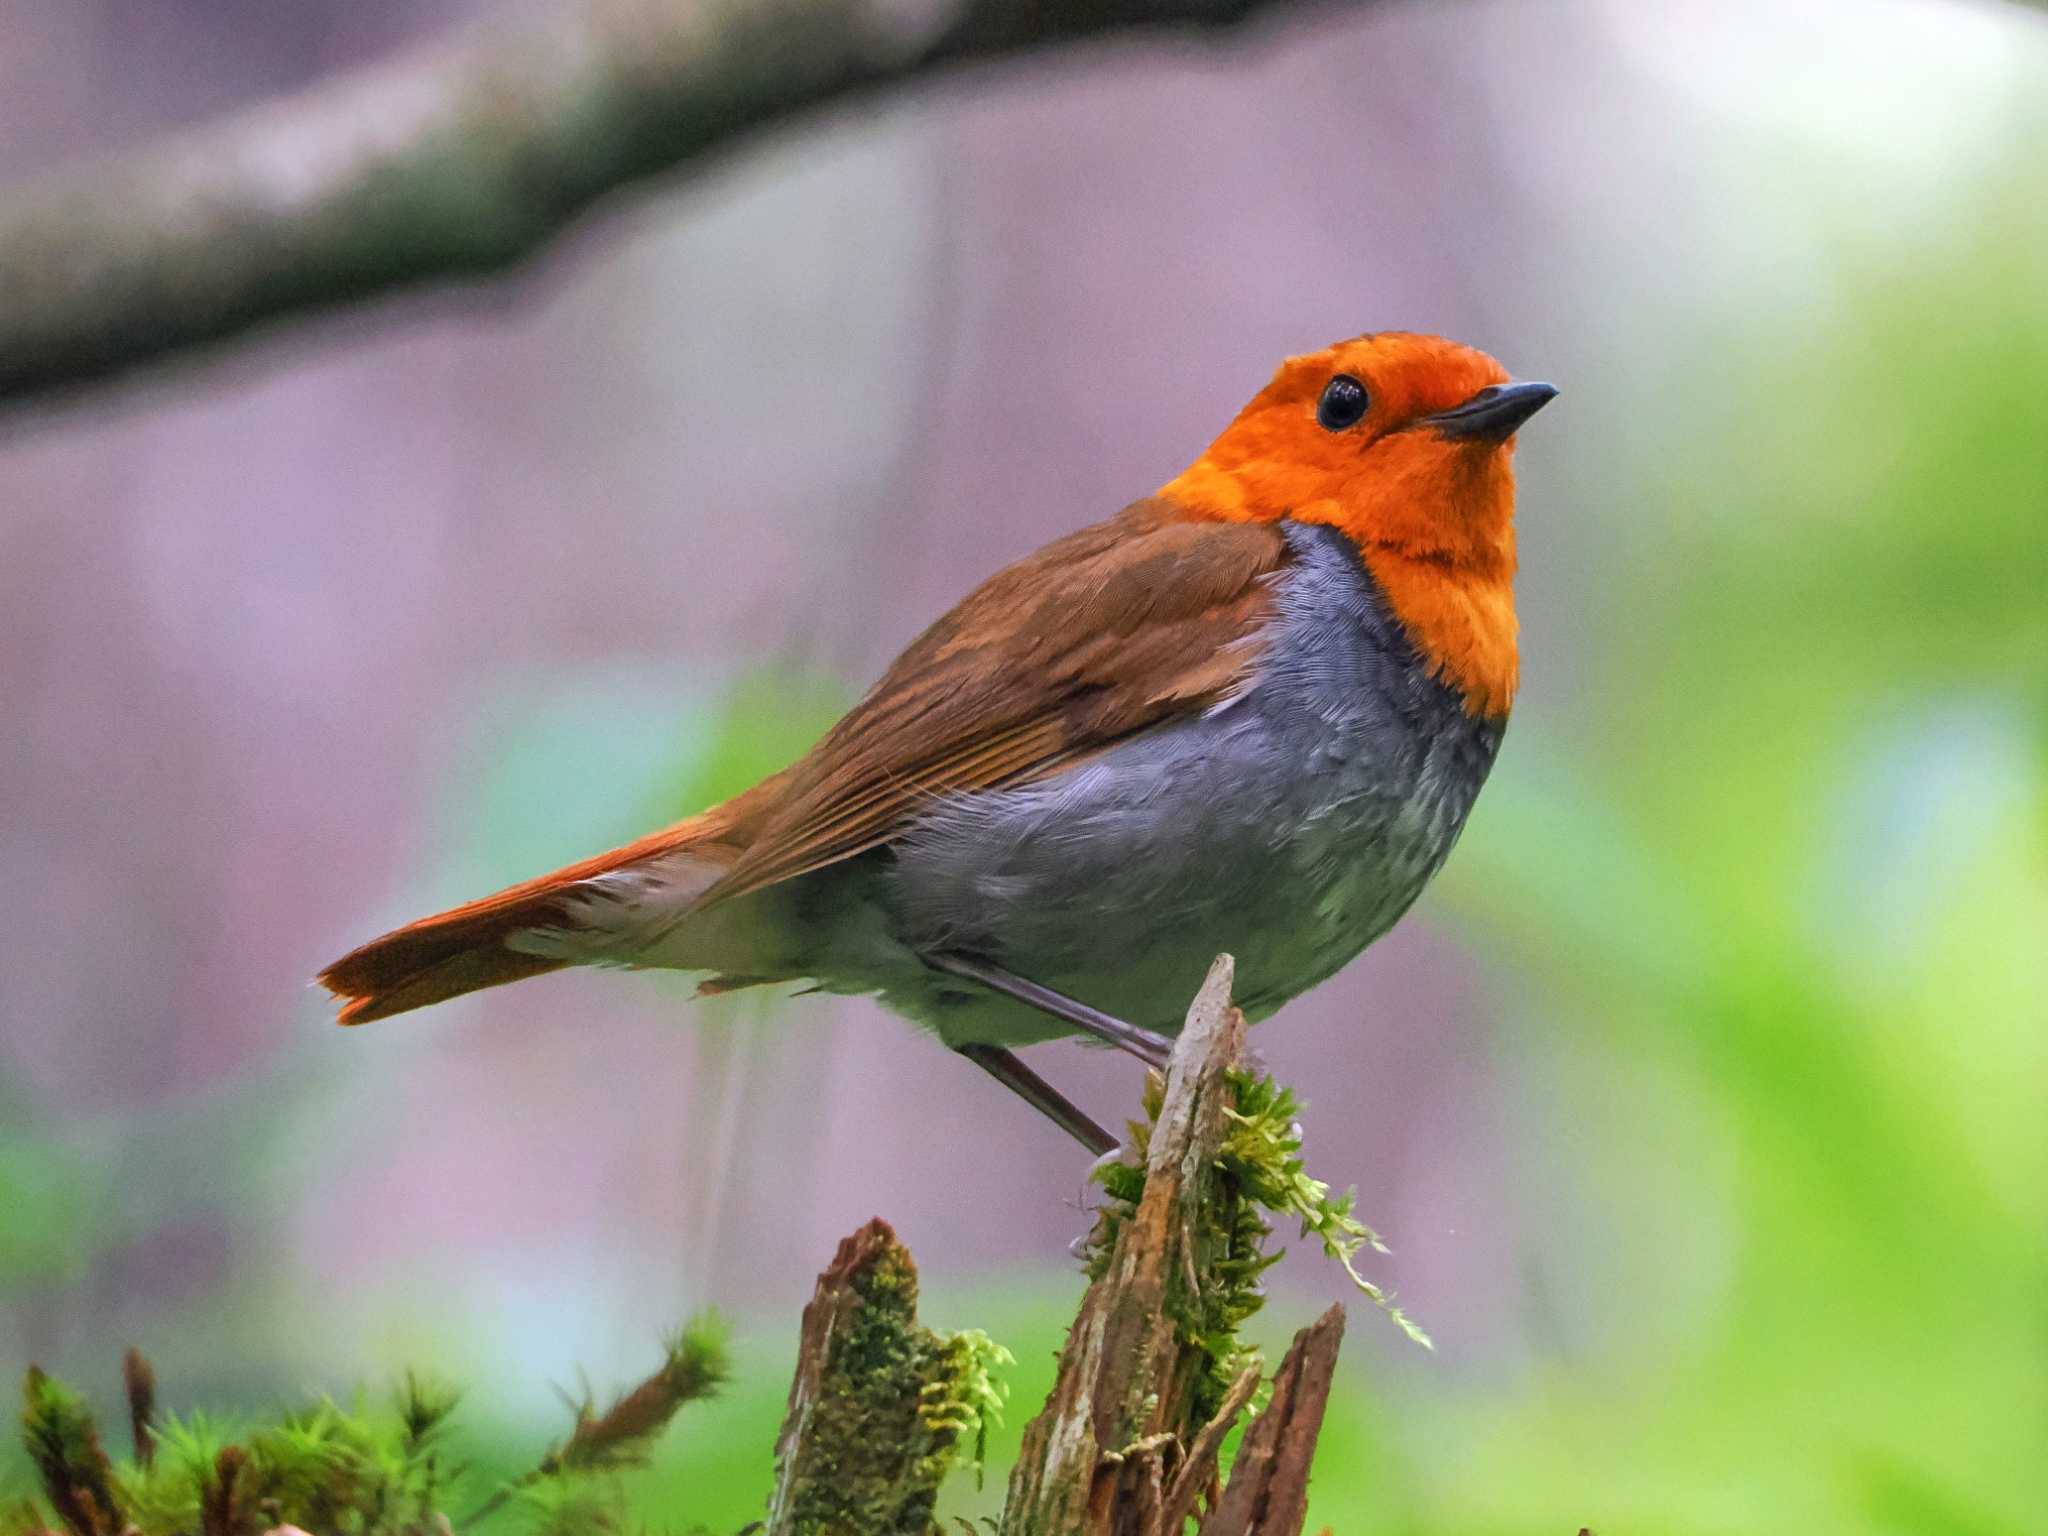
(1493, 414)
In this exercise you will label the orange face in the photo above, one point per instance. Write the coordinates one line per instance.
(1403, 443)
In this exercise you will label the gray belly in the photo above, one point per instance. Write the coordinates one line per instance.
(1291, 827)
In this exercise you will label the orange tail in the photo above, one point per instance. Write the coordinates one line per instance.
(463, 949)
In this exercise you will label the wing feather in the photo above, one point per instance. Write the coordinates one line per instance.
(1141, 619)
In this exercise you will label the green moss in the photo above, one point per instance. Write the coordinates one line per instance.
(1261, 1157)
(326, 1468)
(1260, 1173)
(355, 1470)
(895, 1404)
(968, 1399)
(65, 1446)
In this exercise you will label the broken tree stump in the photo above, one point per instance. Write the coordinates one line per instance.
(1127, 1445)
(1268, 1492)
(879, 1404)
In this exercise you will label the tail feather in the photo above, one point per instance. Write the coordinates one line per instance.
(466, 948)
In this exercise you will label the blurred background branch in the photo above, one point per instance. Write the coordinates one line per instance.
(457, 162)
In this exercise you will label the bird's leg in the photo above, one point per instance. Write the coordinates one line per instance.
(1148, 1047)
(1034, 1090)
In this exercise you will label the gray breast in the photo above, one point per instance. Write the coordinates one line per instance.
(1290, 826)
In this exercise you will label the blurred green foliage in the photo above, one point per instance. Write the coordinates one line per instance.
(1784, 888)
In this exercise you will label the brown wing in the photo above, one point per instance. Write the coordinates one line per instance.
(1097, 635)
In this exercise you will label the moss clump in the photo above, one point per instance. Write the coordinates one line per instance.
(64, 1444)
(1262, 1153)
(321, 1467)
(353, 1470)
(889, 1408)
(968, 1398)
(1259, 1172)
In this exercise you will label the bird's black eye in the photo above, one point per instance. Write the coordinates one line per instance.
(1343, 403)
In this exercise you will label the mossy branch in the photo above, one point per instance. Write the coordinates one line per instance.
(1268, 1492)
(694, 1366)
(1155, 1373)
(880, 1406)
(458, 162)
(1140, 1360)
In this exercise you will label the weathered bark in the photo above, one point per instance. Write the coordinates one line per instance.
(457, 162)
(1098, 1456)
(1268, 1492)
(1119, 1449)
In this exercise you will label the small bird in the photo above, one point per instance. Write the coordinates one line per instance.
(1249, 712)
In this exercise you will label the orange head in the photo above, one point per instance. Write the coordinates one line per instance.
(1403, 444)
